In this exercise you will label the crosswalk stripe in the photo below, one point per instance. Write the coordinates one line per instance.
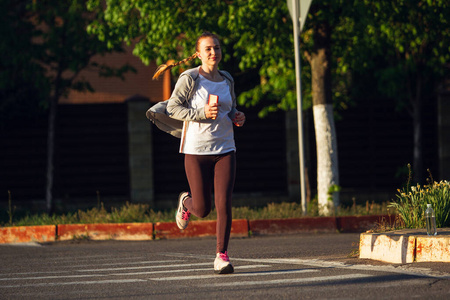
(147, 267)
(74, 283)
(263, 273)
(129, 263)
(404, 270)
(124, 274)
(189, 270)
(221, 284)
(52, 277)
(290, 280)
(79, 266)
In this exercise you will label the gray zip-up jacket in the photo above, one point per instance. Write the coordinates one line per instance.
(169, 115)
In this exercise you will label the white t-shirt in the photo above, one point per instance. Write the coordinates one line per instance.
(209, 136)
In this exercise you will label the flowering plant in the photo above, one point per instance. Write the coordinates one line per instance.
(412, 202)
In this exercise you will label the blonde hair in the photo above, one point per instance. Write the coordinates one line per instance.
(162, 68)
(165, 67)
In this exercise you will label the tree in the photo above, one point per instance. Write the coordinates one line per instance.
(60, 48)
(326, 140)
(413, 39)
(405, 43)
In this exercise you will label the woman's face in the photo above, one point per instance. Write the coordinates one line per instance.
(209, 51)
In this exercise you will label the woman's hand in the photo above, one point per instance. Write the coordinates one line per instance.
(239, 119)
(211, 111)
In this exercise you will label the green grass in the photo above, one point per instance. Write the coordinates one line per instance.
(142, 213)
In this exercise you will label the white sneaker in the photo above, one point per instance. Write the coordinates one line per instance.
(222, 264)
(182, 215)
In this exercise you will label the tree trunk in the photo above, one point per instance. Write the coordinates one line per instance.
(53, 107)
(326, 141)
(50, 154)
(418, 172)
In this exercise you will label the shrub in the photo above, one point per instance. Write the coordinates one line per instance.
(412, 202)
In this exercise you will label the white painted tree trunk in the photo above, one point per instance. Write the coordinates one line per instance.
(327, 158)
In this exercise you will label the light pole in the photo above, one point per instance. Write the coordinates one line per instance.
(298, 10)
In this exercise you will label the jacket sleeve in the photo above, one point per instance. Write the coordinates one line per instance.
(177, 106)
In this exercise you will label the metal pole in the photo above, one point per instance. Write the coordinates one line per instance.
(296, 25)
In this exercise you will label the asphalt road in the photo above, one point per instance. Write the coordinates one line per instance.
(272, 267)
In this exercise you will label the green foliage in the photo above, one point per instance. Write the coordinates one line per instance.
(370, 208)
(258, 42)
(407, 49)
(130, 213)
(412, 202)
(334, 188)
(414, 39)
(271, 211)
(256, 38)
(410, 37)
(127, 213)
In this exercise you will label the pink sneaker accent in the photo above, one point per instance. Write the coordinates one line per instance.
(224, 256)
(182, 215)
(185, 215)
(222, 264)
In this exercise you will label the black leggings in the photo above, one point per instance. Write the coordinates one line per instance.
(202, 171)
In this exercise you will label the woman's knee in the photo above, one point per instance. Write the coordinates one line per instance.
(205, 212)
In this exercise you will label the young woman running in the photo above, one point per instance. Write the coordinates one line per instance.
(204, 100)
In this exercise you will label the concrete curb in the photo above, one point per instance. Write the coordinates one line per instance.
(239, 228)
(27, 234)
(433, 248)
(120, 231)
(358, 223)
(406, 246)
(401, 246)
(289, 226)
(169, 230)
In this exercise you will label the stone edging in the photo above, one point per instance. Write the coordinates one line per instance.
(169, 230)
(406, 246)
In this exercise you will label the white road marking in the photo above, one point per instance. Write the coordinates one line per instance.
(51, 277)
(31, 273)
(28, 244)
(290, 280)
(404, 270)
(263, 273)
(189, 270)
(297, 266)
(74, 283)
(125, 274)
(128, 263)
(79, 266)
(147, 267)
(143, 262)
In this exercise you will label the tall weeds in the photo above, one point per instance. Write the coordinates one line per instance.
(412, 202)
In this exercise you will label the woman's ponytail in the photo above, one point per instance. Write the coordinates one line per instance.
(162, 68)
